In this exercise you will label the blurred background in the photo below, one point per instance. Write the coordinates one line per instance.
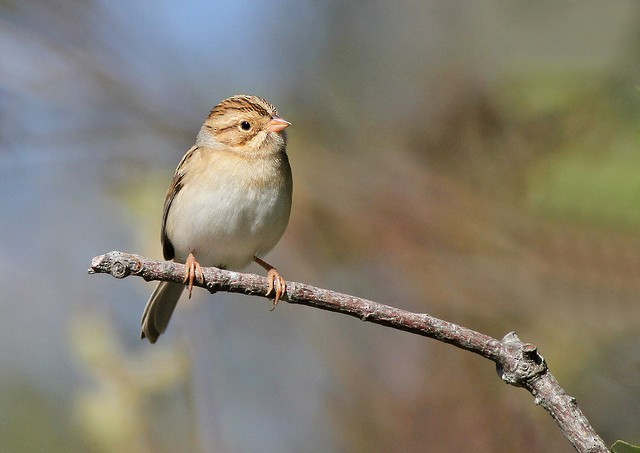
(477, 161)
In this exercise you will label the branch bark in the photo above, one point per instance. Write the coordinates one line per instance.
(517, 363)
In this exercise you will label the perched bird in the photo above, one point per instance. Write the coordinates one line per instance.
(228, 203)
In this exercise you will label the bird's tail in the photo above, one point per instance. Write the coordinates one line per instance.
(159, 309)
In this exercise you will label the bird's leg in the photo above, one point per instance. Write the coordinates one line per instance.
(193, 272)
(276, 282)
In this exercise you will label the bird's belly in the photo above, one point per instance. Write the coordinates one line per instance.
(227, 227)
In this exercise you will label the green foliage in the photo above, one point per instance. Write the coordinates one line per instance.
(623, 447)
(585, 151)
(584, 187)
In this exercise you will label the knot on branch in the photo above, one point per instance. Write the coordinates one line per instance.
(521, 362)
(118, 264)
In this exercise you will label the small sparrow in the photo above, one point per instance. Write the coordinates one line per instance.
(228, 203)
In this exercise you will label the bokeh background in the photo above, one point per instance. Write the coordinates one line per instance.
(477, 161)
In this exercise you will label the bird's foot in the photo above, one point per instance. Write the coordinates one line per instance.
(276, 282)
(193, 272)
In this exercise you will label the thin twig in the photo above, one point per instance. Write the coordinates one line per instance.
(518, 363)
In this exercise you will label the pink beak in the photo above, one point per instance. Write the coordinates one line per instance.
(277, 124)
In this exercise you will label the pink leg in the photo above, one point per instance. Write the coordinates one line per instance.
(275, 281)
(194, 272)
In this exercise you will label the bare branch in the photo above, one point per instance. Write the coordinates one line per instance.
(518, 363)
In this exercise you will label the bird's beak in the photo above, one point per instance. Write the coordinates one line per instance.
(277, 124)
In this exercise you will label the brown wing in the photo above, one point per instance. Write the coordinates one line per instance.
(174, 188)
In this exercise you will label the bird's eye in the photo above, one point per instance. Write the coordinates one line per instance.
(245, 125)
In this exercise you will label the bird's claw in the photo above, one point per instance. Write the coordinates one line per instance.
(277, 283)
(193, 272)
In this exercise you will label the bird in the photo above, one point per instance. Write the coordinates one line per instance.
(228, 203)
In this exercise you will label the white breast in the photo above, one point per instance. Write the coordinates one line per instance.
(226, 221)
